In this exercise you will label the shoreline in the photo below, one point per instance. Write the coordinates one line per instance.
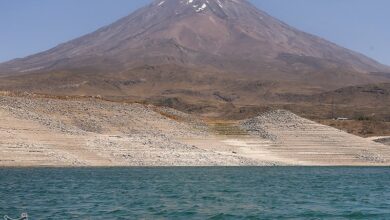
(39, 132)
(190, 167)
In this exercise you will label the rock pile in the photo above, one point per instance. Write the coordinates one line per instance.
(314, 143)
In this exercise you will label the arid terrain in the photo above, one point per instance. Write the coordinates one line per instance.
(195, 83)
(228, 60)
(37, 131)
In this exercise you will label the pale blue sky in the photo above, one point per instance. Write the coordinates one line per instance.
(31, 26)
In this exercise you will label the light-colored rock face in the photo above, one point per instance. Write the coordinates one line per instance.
(48, 132)
(89, 132)
(312, 143)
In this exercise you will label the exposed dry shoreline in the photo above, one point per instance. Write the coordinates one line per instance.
(91, 132)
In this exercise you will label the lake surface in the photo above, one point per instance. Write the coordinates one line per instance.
(196, 193)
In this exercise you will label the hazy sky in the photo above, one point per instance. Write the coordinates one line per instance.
(30, 26)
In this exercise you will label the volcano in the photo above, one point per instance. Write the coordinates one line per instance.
(225, 50)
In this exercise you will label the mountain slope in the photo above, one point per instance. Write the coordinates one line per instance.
(198, 48)
(195, 32)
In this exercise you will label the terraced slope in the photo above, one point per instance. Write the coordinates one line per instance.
(50, 132)
(91, 132)
(315, 144)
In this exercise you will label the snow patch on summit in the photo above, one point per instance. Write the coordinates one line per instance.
(199, 5)
(203, 7)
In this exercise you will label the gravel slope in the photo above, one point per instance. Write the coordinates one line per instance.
(48, 132)
(91, 132)
(313, 143)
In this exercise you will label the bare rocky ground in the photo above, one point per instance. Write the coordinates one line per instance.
(49, 132)
(311, 143)
(383, 140)
(91, 132)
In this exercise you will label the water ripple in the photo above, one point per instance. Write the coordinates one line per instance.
(196, 193)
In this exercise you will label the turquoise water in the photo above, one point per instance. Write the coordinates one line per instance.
(196, 193)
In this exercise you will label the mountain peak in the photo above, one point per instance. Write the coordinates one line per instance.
(227, 35)
(195, 5)
(220, 8)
